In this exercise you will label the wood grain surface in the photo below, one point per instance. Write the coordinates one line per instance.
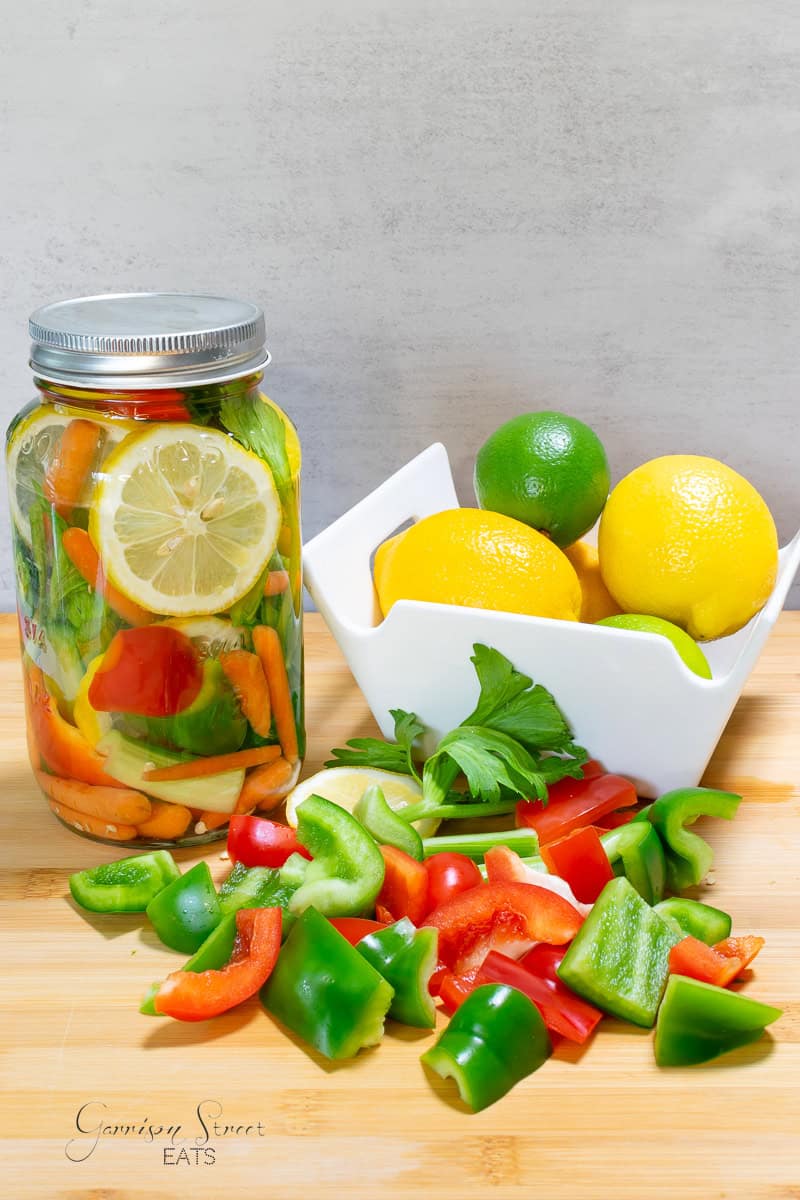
(603, 1122)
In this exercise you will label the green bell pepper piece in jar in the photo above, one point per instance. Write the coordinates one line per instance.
(212, 724)
(325, 991)
(688, 856)
(187, 911)
(495, 1039)
(693, 919)
(346, 872)
(127, 885)
(214, 953)
(635, 851)
(385, 825)
(406, 958)
(619, 958)
(698, 1021)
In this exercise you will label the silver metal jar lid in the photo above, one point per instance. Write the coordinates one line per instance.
(146, 340)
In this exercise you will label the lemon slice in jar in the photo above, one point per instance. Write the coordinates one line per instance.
(32, 446)
(185, 520)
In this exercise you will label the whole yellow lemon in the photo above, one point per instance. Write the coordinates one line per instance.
(687, 539)
(478, 559)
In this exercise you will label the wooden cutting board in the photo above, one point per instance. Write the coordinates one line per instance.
(600, 1122)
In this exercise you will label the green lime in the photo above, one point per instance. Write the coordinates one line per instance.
(688, 649)
(545, 469)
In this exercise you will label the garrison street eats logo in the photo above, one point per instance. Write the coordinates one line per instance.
(192, 1145)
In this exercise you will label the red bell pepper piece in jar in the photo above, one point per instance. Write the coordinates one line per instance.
(153, 671)
(63, 748)
(197, 997)
(573, 804)
(581, 860)
(509, 917)
(405, 887)
(259, 842)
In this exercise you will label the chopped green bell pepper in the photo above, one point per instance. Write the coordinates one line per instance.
(698, 1022)
(127, 885)
(186, 912)
(215, 951)
(325, 991)
(635, 851)
(346, 871)
(387, 828)
(261, 887)
(406, 958)
(688, 856)
(618, 960)
(293, 871)
(693, 919)
(495, 1038)
(255, 887)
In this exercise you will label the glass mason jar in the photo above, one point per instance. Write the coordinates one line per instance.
(154, 495)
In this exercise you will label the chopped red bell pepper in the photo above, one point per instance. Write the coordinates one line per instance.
(613, 820)
(454, 989)
(509, 917)
(405, 887)
(562, 1011)
(543, 961)
(574, 803)
(355, 928)
(504, 865)
(743, 948)
(259, 842)
(581, 860)
(152, 671)
(697, 960)
(197, 997)
(592, 768)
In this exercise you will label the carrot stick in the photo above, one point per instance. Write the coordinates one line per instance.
(245, 673)
(83, 556)
(85, 823)
(215, 764)
(106, 803)
(71, 465)
(167, 821)
(268, 648)
(206, 821)
(266, 786)
(277, 582)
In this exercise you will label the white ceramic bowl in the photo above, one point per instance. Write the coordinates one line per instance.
(628, 696)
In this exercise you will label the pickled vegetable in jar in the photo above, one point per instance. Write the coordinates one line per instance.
(154, 494)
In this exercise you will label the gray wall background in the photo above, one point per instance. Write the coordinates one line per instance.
(451, 212)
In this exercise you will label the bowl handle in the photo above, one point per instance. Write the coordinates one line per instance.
(336, 563)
